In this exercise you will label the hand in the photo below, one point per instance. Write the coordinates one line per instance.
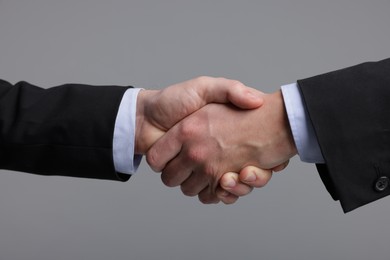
(157, 111)
(234, 185)
(218, 139)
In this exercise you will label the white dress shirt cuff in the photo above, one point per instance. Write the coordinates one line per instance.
(301, 126)
(125, 161)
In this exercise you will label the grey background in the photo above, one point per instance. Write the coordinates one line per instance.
(152, 44)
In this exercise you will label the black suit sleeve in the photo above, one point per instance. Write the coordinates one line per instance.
(350, 112)
(65, 130)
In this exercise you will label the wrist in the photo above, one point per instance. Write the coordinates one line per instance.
(290, 147)
(281, 135)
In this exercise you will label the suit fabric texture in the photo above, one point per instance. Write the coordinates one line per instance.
(350, 112)
(64, 130)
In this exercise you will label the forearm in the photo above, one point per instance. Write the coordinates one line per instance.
(348, 109)
(64, 130)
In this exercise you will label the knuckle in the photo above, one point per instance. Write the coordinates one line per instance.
(202, 79)
(196, 154)
(153, 161)
(188, 129)
(236, 84)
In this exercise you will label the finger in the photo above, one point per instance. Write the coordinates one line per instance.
(254, 176)
(208, 196)
(230, 182)
(194, 184)
(173, 179)
(225, 196)
(281, 167)
(221, 90)
(163, 150)
(177, 171)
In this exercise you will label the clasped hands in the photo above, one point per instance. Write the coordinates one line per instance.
(215, 137)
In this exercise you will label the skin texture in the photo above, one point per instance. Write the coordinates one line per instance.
(158, 111)
(234, 185)
(218, 139)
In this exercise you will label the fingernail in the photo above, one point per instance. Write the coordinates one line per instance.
(250, 177)
(230, 183)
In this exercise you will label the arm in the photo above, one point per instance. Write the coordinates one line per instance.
(349, 110)
(64, 130)
(68, 130)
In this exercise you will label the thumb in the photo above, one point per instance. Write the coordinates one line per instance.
(221, 90)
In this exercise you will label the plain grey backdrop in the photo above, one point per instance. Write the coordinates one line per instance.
(152, 44)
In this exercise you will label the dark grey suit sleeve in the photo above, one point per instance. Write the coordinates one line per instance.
(65, 130)
(350, 112)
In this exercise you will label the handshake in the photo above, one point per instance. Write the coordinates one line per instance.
(215, 137)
